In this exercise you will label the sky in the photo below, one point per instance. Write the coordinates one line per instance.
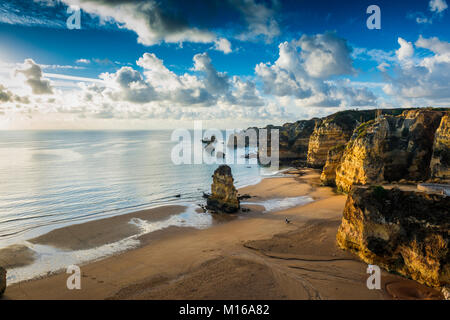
(153, 64)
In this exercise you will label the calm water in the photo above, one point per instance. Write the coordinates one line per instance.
(53, 178)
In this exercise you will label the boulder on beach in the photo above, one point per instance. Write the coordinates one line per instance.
(223, 196)
(2, 281)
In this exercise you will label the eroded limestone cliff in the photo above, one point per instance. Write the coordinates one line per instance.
(328, 176)
(440, 160)
(336, 130)
(402, 231)
(390, 148)
(326, 135)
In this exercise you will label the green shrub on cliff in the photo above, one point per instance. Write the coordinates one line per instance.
(361, 130)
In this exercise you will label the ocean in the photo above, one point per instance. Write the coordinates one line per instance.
(52, 179)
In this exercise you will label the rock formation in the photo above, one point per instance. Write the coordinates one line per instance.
(402, 231)
(326, 135)
(223, 196)
(390, 148)
(2, 281)
(294, 141)
(328, 176)
(335, 130)
(307, 142)
(440, 160)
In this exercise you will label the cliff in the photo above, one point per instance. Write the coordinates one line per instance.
(390, 148)
(402, 231)
(223, 196)
(325, 136)
(328, 176)
(335, 130)
(440, 160)
(294, 141)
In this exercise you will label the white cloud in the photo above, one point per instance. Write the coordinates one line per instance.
(223, 45)
(425, 80)
(33, 77)
(438, 5)
(84, 61)
(5, 94)
(128, 84)
(406, 49)
(158, 86)
(216, 82)
(383, 66)
(304, 69)
(325, 55)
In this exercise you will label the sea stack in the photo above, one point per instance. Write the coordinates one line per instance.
(2, 281)
(223, 196)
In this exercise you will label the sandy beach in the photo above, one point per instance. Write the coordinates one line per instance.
(255, 255)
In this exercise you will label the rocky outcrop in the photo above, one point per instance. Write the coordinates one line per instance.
(326, 135)
(440, 160)
(402, 231)
(328, 176)
(389, 148)
(294, 141)
(2, 281)
(224, 197)
(335, 130)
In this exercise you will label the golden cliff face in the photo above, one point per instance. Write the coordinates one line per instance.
(328, 176)
(401, 231)
(326, 135)
(390, 148)
(440, 161)
(361, 162)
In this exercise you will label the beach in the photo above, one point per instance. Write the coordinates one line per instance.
(252, 255)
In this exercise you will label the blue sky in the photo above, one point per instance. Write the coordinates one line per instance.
(229, 62)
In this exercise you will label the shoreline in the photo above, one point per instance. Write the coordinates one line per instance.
(83, 235)
(253, 256)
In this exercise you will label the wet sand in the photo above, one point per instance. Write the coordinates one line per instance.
(16, 256)
(258, 256)
(99, 232)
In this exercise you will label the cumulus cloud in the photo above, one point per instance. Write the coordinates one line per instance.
(426, 79)
(5, 94)
(223, 45)
(157, 85)
(406, 49)
(305, 69)
(216, 82)
(33, 77)
(128, 84)
(325, 55)
(245, 93)
(438, 6)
